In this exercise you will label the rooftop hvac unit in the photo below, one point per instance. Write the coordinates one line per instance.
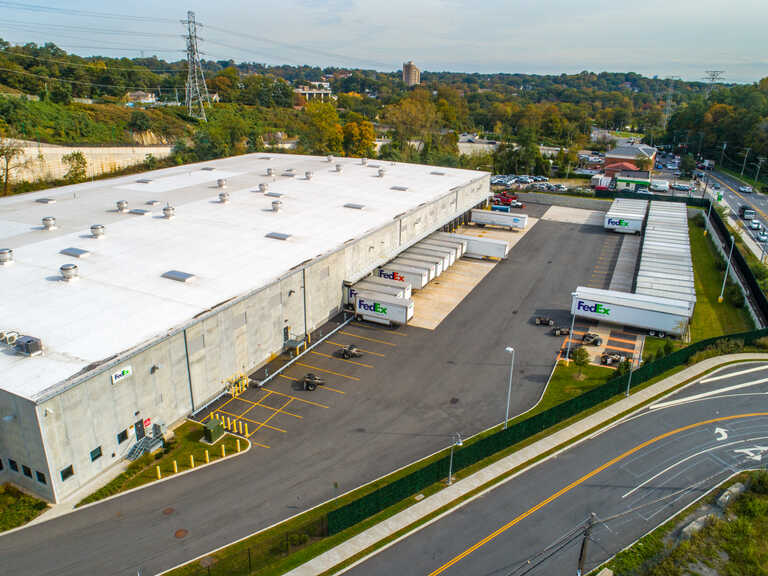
(97, 231)
(6, 256)
(221, 183)
(224, 197)
(9, 337)
(169, 212)
(29, 346)
(276, 205)
(122, 206)
(69, 272)
(49, 223)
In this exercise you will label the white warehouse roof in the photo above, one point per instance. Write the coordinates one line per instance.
(122, 299)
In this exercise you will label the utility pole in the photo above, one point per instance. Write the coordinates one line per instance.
(713, 76)
(744, 165)
(760, 160)
(722, 152)
(196, 90)
(583, 552)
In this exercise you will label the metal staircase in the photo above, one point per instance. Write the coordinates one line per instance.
(146, 445)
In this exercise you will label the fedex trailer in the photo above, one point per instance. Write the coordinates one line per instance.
(489, 218)
(416, 277)
(441, 257)
(444, 238)
(430, 267)
(379, 281)
(453, 251)
(383, 309)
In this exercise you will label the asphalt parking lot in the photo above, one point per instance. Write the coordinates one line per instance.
(400, 402)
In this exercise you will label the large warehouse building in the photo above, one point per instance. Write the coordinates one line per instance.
(148, 291)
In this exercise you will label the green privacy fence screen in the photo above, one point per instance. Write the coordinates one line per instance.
(390, 494)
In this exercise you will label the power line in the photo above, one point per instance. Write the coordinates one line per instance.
(89, 64)
(90, 29)
(75, 12)
(79, 82)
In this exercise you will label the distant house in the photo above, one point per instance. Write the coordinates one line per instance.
(616, 167)
(315, 91)
(140, 97)
(631, 154)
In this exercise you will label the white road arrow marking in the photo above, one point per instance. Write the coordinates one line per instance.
(722, 434)
(755, 453)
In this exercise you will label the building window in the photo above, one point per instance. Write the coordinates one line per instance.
(1, 463)
(40, 477)
(122, 436)
(27, 471)
(67, 472)
(12, 465)
(95, 454)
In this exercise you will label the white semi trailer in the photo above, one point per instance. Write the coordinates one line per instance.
(383, 309)
(492, 218)
(416, 277)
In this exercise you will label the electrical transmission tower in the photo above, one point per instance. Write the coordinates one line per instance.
(196, 90)
(713, 76)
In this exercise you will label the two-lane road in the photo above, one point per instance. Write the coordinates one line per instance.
(633, 476)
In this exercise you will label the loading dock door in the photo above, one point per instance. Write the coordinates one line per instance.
(139, 429)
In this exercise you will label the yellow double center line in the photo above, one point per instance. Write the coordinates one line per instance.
(580, 481)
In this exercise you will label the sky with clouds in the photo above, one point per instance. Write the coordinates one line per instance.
(652, 37)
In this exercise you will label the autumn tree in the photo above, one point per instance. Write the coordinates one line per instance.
(11, 159)
(77, 165)
(322, 132)
(359, 138)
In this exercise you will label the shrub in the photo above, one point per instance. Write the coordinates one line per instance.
(698, 220)
(669, 347)
(762, 343)
(760, 480)
(733, 296)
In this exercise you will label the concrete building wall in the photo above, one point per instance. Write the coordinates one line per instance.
(179, 374)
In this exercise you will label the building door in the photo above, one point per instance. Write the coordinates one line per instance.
(139, 428)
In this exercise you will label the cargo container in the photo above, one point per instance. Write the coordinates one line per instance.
(486, 217)
(430, 268)
(416, 277)
(440, 260)
(383, 309)
(404, 286)
(444, 238)
(454, 249)
(483, 247)
(626, 216)
(448, 254)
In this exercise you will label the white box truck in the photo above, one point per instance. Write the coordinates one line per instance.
(430, 267)
(383, 309)
(416, 277)
(490, 218)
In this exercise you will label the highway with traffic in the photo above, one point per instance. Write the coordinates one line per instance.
(633, 476)
(729, 187)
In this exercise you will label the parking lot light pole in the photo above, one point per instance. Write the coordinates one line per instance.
(727, 269)
(631, 365)
(455, 441)
(509, 387)
(568, 346)
(709, 211)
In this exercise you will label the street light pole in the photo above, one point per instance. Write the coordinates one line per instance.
(568, 346)
(455, 441)
(709, 211)
(727, 268)
(509, 387)
(631, 365)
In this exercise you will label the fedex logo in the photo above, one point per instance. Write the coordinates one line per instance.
(391, 275)
(594, 308)
(617, 222)
(371, 306)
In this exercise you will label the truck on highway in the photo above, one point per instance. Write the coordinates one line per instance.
(746, 212)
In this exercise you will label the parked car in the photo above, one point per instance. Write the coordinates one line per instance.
(516, 204)
(592, 338)
(560, 188)
(543, 321)
(642, 191)
(716, 186)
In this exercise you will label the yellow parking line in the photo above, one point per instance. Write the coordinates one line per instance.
(259, 403)
(367, 327)
(331, 389)
(361, 349)
(299, 399)
(273, 415)
(342, 359)
(366, 338)
(259, 422)
(327, 371)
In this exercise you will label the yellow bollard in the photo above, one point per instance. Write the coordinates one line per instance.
(175, 467)
(191, 460)
(229, 424)
(207, 458)
(240, 427)
(223, 451)
(159, 474)
(246, 429)
(237, 444)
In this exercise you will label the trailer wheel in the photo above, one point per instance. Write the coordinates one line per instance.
(551, 322)
(311, 386)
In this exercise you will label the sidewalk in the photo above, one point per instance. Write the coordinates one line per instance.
(566, 436)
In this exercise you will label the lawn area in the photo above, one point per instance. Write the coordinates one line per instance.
(17, 508)
(624, 134)
(185, 442)
(710, 317)
(732, 546)
(566, 384)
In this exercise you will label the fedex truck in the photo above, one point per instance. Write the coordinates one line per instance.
(416, 277)
(383, 309)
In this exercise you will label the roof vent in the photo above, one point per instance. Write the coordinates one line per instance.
(140, 212)
(9, 337)
(221, 183)
(263, 187)
(152, 202)
(224, 197)
(274, 194)
(169, 212)
(208, 168)
(143, 180)
(354, 206)
(122, 206)
(69, 272)
(329, 158)
(75, 252)
(400, 188)
(29, 346)
(278, 236)
(6, 256)
(363, 161)
(436, 173)
(97, 230)
(308, 175)
(382, 172)
(265, 157)
(270, 171)
(289, 173)
(178, 275)
(338, 167)
(46, 200)
(49, 223)
(276, 205)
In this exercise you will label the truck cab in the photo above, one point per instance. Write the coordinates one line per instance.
(747, 213)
